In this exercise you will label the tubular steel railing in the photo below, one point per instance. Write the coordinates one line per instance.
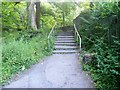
(50, 35)
(77, 35)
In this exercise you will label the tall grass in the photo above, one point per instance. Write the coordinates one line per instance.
(18, 55)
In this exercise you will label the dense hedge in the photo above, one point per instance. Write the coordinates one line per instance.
(100, 32)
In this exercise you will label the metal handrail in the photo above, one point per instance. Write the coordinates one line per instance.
(78, 36)
(50, 34)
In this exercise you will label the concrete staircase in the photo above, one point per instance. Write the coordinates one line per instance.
(65, 43)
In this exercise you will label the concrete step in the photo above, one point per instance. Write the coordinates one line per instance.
(65, 47)
(65, 44)
(66, 41)
(64, 51)
(65, 36)
(65, 33)
(61, 39)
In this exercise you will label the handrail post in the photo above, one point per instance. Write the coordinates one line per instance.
(80, 44)
(77, 38)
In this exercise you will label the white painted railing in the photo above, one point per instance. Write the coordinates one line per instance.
(77, 35)
(50, 35)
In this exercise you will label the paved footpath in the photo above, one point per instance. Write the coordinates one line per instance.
(56, 71)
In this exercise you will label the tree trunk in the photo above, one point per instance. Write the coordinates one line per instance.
(32, 13)
(28, 16)
(38, 14)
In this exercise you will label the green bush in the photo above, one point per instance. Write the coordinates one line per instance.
(18, 55)
(100, 34)
(106, 68)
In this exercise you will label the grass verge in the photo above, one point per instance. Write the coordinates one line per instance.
(18, 55)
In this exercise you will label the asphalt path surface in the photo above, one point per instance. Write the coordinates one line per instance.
(55, 71)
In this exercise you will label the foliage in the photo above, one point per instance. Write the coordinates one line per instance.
(64, 12)
(13, 16)
(20, 54)
(100, 34)
(23, 47)
(99, 28)
(107, 64)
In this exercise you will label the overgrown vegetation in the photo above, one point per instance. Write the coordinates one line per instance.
(22, 46)
(19, 53)
(25, 27)
(100, 31)
(98, 25)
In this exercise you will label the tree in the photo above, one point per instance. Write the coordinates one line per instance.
(65, 9)
(32, 14)
(28, 17)
(38, 15)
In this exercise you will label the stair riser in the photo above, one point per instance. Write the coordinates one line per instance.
(65, 39)
(65, 42)
(65, 53)
(61, 41)
(65, 46)
(65, 49)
